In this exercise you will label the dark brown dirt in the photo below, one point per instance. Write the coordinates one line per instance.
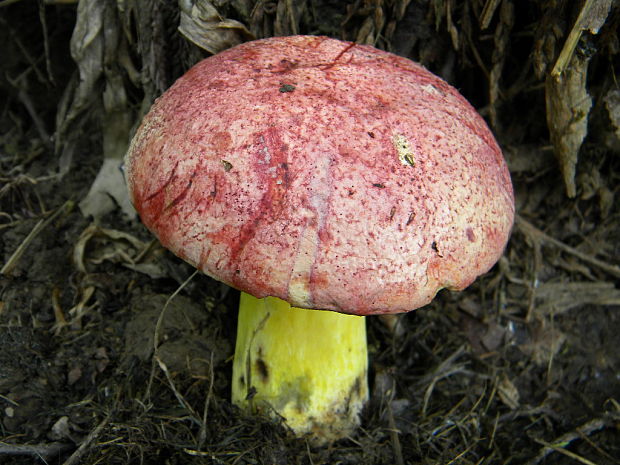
(522, 367)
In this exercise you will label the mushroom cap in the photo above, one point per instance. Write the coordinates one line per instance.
(329, 174)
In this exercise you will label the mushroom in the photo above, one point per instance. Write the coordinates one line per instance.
(312, 173)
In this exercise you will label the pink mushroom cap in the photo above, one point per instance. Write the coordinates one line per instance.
(329, 174)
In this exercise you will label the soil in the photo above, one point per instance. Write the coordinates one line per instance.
(521, 367)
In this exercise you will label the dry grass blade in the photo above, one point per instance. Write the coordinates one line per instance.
(561, 450)
(460, 455)
(591, 17)
(487, 13)
(59, 315)
(202, 433)
(445, 369)
(394, 431)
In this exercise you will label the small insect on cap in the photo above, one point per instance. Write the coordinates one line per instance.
(329, 174)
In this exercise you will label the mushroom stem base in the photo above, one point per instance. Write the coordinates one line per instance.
(307, 366)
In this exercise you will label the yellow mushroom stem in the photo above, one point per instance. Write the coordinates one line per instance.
(307, 366)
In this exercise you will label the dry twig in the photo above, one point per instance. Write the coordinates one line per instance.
(539, 236)
(41, 451)
(40, 226)
(560, 444)
(160, 362)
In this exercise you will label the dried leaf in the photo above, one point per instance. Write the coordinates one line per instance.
(87, 44)
(74, 375)
(202, 25)
(107, 191)
(243, 8)
(568, 106)
(99, 47)
(62, 429)
(595, 16)
(590, 183)
(117, 122)
(147, 19)
(557, 298)
(568, 102)
(125, 246)
(544, 343)
(508, 392)
(494, 336)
